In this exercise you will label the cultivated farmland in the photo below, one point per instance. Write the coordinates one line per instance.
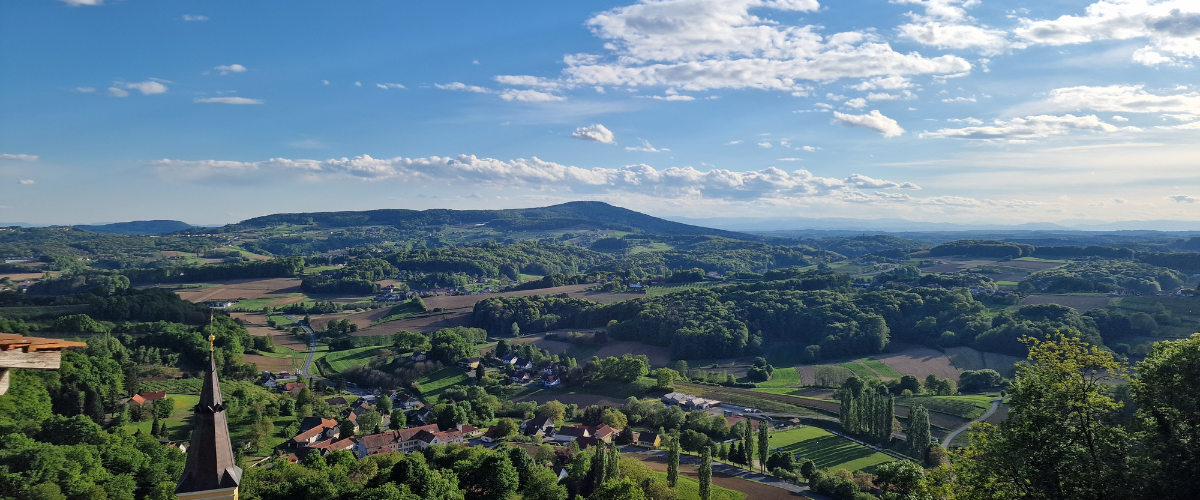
(827, 450)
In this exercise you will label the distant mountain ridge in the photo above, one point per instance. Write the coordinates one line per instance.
(591, 214)
(138, 227)
(766, 225)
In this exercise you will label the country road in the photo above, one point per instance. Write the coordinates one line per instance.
(306, 370)
(950, 437)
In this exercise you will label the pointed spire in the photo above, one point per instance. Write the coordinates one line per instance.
(210, 462)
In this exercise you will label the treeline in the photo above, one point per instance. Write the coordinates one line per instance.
(1188, 262)
(1104, 276)
(833, 322)
(106, 251)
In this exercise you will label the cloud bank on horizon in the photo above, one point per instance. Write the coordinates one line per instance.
(1015, 111)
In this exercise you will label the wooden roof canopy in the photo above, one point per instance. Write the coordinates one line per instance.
(30, 353)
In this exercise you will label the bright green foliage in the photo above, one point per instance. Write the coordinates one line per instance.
(1167, 387)
(1059, 440)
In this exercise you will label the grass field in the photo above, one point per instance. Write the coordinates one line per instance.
(880, 368)
(827, 450)
(689, 489)
(401, 311)
(860, 370)
(783, 377)
(964, 406)
(340, 361)
(433, 385)
(790, 391)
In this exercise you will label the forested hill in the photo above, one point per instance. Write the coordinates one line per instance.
(590, 214)
(138, 227)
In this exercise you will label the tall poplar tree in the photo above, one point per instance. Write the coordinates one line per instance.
(673, 463)
(705, 473)
(764, 445)
(918, 432)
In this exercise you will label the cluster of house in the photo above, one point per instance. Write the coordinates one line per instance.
(525, 372)
(582, 435)
(688, 402)
(323, 435)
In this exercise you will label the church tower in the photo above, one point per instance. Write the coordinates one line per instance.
(211, 472)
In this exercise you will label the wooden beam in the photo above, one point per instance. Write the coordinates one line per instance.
(38, 360)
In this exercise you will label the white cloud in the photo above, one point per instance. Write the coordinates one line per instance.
(872, 121)
(527, 81)
(26, 182)
(789, 159)
(386, 86)
(708, 44)
(475, 62)
(956, 36)
(116, 92)
(1169, 25)
(7, 156)
(946, 25)
(226, 69)
(1183, 117)
(968, 120)
(464, 87)
(529, 96)
(764, 145)
(1030, 127)
(960, 99)
(146, 88)
(886, 83)
(190, 17)
(229, 100)
(810, 149)
(325, 82)
(668, 97)
(595, 132)
(1119, 118)
(76, 3)
(859, 180)
(731, 143)
(358, 84)
(1183, 198)
(85, 90)
(857, 102)
(537, 174)
(884, 96)
(1121, 99)
(1186, 126)
(646, 147)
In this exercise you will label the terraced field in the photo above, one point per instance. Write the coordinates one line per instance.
(861, 371)
(827, 450)
(880, 368)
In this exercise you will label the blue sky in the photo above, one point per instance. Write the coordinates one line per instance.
(938, 110)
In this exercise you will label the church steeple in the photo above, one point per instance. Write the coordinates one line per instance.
(211, 471)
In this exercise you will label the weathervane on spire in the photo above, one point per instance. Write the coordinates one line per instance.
(211, 339)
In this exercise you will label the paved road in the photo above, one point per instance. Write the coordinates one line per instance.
(305, 371)
(801, 489)
(950, 437)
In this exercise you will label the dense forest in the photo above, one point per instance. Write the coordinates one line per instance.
(810, 308)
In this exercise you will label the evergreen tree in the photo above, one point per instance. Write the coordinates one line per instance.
(599, 471)
(748, 447)
(705, 473)
(673, 463)
(918, 432)
(764, 448)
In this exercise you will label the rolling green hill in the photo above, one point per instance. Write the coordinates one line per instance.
(576, 214)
